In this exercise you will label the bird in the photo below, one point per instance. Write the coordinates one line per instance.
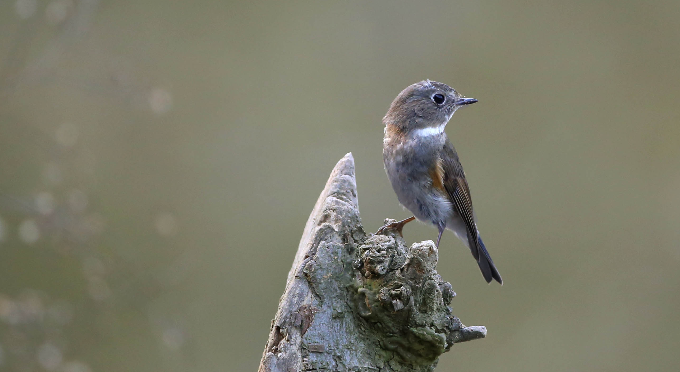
(424, 169)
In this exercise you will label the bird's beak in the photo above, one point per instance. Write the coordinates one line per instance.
(462, 101)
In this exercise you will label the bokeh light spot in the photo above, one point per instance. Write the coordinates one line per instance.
(67, 134)
(25, 8)
(57, 11)
(166, 224)
(75, 366)
(173, 338)
(31, 306)
(52, 174)
(160, 100)
(44, 203)
(49, 356)
(3, 230)
(29, 232)
(98, 288)
(8, 310)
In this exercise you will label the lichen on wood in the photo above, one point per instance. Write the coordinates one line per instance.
(360, 302)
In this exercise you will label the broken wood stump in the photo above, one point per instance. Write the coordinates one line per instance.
(360, 302)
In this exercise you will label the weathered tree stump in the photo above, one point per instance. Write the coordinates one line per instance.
(358, 302)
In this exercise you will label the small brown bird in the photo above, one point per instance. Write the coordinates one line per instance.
(424, 169)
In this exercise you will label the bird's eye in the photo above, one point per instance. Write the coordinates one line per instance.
(438, 98)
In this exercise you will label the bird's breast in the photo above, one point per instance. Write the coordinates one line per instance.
(414, 169)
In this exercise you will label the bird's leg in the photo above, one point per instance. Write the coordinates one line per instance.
(441, 231)
(396, 226)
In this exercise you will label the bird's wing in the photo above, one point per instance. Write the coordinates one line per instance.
(459, 193)
(457, 189)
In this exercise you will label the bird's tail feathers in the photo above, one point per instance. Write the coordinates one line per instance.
(485, 263)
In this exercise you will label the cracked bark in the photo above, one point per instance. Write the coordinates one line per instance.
(360, 302)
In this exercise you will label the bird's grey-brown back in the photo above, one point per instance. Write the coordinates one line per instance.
(424, 169)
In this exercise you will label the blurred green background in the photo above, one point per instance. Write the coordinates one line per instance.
(158, 161)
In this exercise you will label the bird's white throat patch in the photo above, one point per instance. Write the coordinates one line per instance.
(429, 131)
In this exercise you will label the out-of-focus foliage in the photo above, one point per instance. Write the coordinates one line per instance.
(158, 161)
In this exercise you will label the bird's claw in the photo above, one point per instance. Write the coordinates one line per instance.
(395, 226)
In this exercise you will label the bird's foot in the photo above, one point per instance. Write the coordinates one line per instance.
(395, 226)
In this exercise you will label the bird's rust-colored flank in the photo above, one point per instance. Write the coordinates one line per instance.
(437, 175)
